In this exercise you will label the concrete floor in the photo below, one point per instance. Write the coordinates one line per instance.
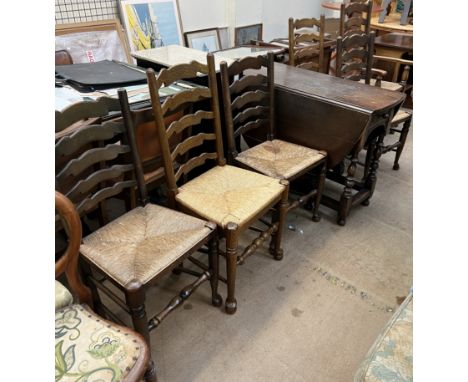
(310, 317)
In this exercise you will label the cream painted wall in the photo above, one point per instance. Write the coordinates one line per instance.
(274, 14)
(202, 14)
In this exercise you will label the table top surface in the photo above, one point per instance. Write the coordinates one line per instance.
(347, 93)
(175, 54)
(402, 41)
(337, 6)
(391, 23)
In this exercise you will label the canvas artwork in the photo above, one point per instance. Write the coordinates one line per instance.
(151, 23)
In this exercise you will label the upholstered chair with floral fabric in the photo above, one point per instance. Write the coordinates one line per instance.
(87, 347)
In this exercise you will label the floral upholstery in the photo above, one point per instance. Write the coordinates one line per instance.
(88, 348)
(63, 297)
(279, 159)
(390, 359)
(143, 242)
(227, 194)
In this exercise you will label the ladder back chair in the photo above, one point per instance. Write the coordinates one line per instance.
(306, 43)
(249, 104)
(355, 17)
(234, 198)
(86, 345)
(402, 117)
(135, 250)
(354, 60)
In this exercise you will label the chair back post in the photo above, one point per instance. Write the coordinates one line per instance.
(68, 263)
(130, 133)
(291, 60)
(339, 53)
(229, 125)
(161, 131)
(271, 93)
(342, 18)
(368, 17)
(370, 57)
(321, 43)
(212, 83)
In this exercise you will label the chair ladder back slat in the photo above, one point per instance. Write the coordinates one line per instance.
(69, 144)
(84, 186)
(254, 111)
(193, 163)
(89, 158)
(239, 66)
(190, 143)
(247, 98)
(246, 82)
(188, 96)
(170, 75)
(84, 110)
(178, 126)
(92, 201)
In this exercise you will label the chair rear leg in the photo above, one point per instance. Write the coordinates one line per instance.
(403, 136)
(232, 239)
(87, 274)
(318, 197)
(279, 217)
(135, 300)
(213, 258)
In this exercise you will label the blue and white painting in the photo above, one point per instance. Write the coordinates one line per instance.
(151, 24)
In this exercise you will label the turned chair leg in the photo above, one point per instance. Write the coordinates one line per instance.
(318, 197)
(135, 300)
(232, 234)
(402, 140)
(279, 217)
(213, 258)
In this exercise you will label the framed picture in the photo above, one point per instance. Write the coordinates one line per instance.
(93, 41)
(151, 23)
(243, 35)
(206, 40)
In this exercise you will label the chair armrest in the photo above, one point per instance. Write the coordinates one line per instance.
(394, 60)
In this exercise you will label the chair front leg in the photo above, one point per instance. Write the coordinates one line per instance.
(232, 240)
